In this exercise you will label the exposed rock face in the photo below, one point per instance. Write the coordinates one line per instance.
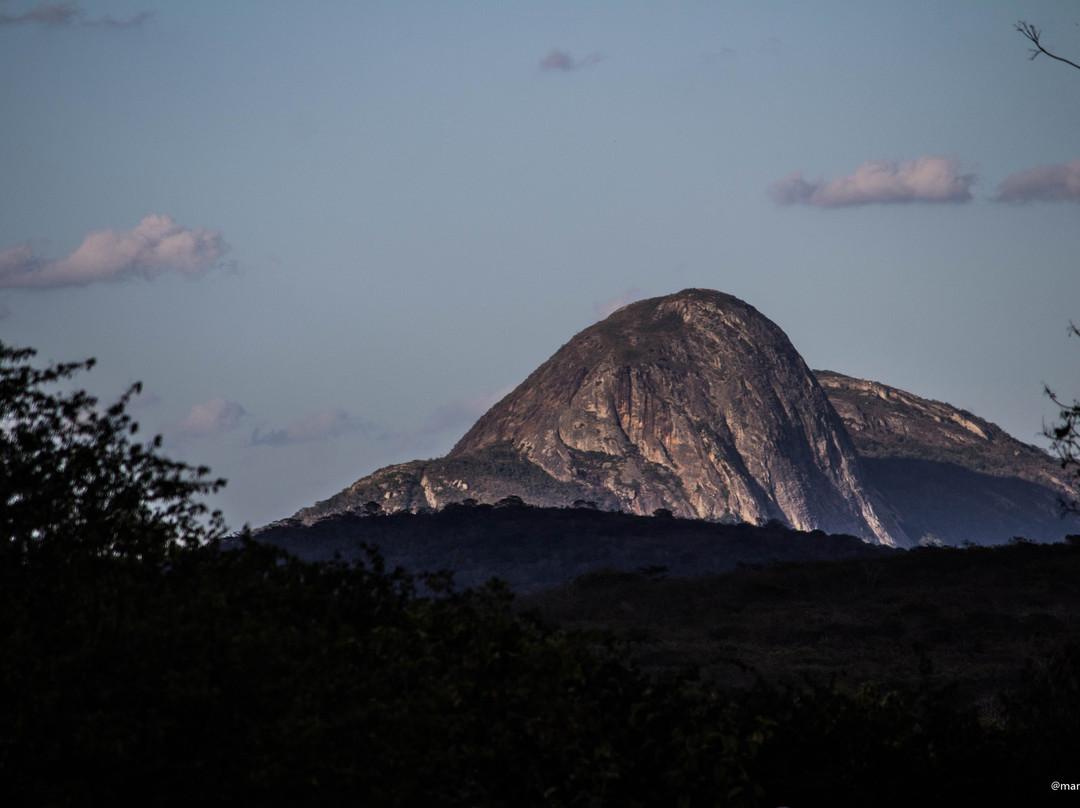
(693, 402)
(487, 476)
(950, 474)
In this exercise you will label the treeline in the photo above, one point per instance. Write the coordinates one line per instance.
(248, 676)
(536, 548)
(979, 622)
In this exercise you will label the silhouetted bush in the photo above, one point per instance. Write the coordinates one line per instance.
(143, 660)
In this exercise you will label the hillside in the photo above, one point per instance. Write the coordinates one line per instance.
(698, 404)
(694, 402)
(538, 548)
(985, 620)
(949, 474)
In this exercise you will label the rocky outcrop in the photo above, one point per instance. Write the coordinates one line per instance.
(951, 475)
(694, 402)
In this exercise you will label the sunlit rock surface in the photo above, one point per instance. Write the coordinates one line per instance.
(693, 402)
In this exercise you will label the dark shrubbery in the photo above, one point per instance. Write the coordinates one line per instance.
(141, 660)
(247, 676)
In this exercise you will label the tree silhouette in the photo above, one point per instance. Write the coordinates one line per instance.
(142, 661)
(1065, 437)
(1033, 35)
(70, 473)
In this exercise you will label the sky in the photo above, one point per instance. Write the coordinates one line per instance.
(327, 236)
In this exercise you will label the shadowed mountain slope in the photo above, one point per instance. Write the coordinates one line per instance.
(949, 474)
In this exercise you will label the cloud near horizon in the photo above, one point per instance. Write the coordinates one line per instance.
(561, 60)
(1056, 183)
(69, 14)
(211, 417)
(929, 178)
(327, 423)
(155, 246)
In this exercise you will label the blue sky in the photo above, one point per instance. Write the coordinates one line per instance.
(327, 235)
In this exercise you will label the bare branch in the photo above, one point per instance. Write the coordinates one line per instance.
(1032, 34)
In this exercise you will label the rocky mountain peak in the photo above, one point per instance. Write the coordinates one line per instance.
(694, 402)
(698, 404)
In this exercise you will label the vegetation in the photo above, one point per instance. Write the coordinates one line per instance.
(73, 482)
(536, 548)
(1033, 35)
(973, 620)
(141, 657)
(1065, 437)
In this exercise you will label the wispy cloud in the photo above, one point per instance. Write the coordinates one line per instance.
(603, 310)
(328, 423)
(211, 417)
(69, 14)
(156, 246)
(930, 178)
(457, 414)
(1060, 182)
(561, 60)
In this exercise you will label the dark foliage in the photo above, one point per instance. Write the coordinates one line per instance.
(972, 618)
(537, 548)
(71, 478)
(1065, 437)
(247, 676)
(143, 661)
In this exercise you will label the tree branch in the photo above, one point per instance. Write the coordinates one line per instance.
(1032, 33)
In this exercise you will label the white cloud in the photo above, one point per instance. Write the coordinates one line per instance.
(1059, 182)
(603, 310)
(328, 423)
(929, 178)
(156, 246)
(211, 417)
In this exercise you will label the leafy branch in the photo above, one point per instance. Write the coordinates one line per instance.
(73, 479)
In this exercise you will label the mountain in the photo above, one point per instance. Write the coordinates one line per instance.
(698, 404)
(694, 402)
(951, 475)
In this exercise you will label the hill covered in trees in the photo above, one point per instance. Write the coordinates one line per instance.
(536, 548)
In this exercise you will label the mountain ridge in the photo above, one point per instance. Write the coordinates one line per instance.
(709, 409)
(698, 404)
(953, 476)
